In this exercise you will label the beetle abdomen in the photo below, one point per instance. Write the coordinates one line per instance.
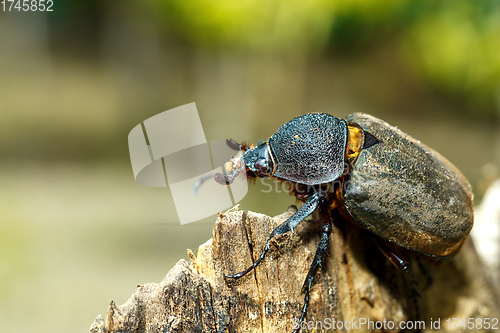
(310, 149)
(408, 194)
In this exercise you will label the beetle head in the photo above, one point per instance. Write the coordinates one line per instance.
(259, 161)
(255, 162)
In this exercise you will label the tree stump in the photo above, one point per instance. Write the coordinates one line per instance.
(357, 290)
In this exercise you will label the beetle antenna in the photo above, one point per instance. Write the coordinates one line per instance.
(237, 146)
(232, 169)
(223, 179)
(200, 182)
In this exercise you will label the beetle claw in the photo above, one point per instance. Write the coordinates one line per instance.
(230, 278)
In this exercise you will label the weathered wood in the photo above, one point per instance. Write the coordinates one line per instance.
(357, 284)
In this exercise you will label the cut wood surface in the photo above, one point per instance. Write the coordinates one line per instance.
(356, 286)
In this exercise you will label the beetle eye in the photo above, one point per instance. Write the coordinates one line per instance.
(262, 167)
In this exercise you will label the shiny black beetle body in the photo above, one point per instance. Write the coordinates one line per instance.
(404, 193)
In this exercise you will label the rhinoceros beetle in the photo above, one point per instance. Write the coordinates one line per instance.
(403, 192)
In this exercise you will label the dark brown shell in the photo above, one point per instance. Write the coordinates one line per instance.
(407, 193)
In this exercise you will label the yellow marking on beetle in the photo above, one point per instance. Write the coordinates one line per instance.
(355, 141)
(268, 146)
(337, 200)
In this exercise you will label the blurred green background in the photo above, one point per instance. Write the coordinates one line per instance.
(76, 231)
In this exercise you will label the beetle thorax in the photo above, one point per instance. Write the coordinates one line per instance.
(310, 149)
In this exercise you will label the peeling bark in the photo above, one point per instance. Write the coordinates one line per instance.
(356, 283)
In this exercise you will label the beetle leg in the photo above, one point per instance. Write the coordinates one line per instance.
(425, 273)
(397, 260)
(404, 265)
(318, 259)
(289, 225)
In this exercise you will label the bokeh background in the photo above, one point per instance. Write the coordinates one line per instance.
(76, 231)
